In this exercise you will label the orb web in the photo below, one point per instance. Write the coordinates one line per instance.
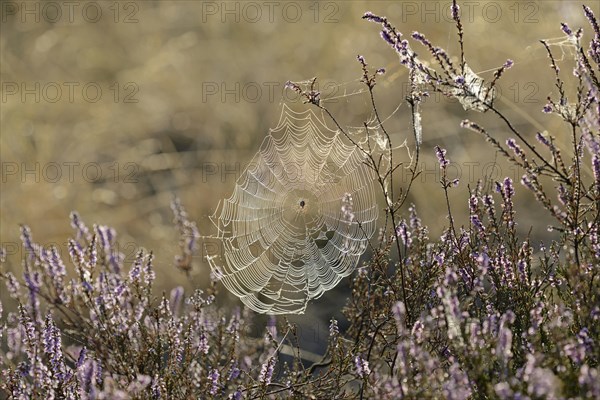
(285, 236)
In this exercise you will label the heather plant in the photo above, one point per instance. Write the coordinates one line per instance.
(480, 312)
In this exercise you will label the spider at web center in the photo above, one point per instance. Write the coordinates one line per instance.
(301, 209)
(304, 206)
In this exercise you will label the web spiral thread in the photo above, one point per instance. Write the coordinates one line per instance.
(286, 231)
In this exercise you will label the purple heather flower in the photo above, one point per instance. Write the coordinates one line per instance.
(333, 328)
(214, 381)
(565, 28)
(455, 10)
(289, 85)
(120, 289)
(175, 299)
(418, 36)
(465, 123)
(203, 345)
(12, 284)
(369, 16)
(457, 387)
(404, 233)
(149, 274)
(57, 266)
(210, 299)
(136, 268)
(595, 313)
(592, 18)
(488, 201)
(547, 108)
(583, 338)
(542, 139)
(439, 259)
(234, 322)
(52, 346)
(483, 260)
(508, 188)
(29, 328)
(402, 47)
(504, 344)
(234, 371)
(589, 378)
(418, 330)
(536, 318)
(362, 366)
(512, 144)
(33, 283)
(385, 35)
(415, 221)
(522, 267)
(86, 375)
(459, 80)
(156, 387)
(473, 201)
(76, 254)
(80, 228)
(27, 242)
(441, 156)
(562, 194)
(476, 222)
(575, 353)
(594, 235)
(525, 181)
(266, 371)
(105, 235)
(87, 286)
(542, 383)
(596, 169)
(503, 391)
(177, 348)
(82, 357)
(48, 338)
(508, 64)
(93, 251)
(192, 236)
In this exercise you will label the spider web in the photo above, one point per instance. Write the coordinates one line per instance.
(286, 238)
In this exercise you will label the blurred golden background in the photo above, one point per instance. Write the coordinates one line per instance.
(110, 108)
